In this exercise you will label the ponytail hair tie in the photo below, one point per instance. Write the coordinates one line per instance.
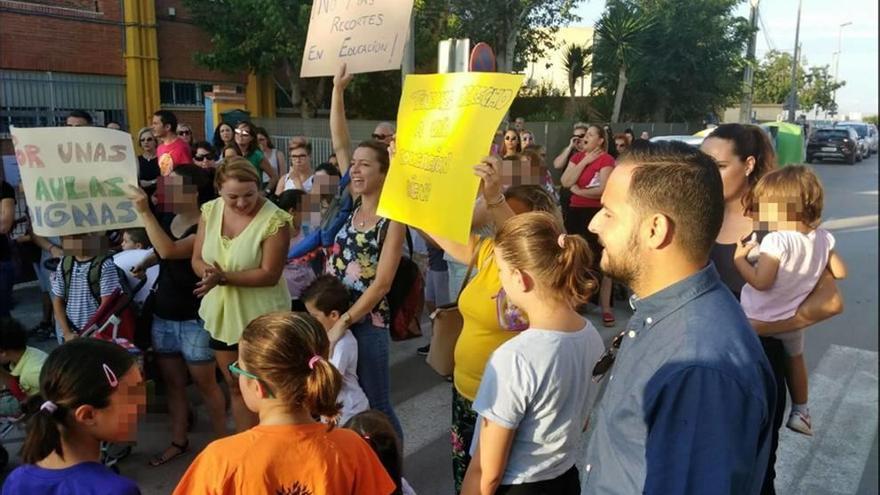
(561, 241)
(49, 407)
(314, 360)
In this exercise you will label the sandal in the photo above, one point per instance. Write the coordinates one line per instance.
(608, 319)
(160, 459)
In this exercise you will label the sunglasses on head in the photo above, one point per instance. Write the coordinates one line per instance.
(381, 137)
(242, 132)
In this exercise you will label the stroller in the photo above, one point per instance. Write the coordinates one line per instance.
(8, 424)
(114, 321)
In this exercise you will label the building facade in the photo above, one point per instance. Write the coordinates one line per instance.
(549, 70)
(119, 59)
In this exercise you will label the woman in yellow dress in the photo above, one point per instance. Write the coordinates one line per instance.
(239, 253)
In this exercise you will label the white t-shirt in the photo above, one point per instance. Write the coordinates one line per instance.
(306, 186)
(539, 383)
(345, 358)
(802, 259)
(126, 260)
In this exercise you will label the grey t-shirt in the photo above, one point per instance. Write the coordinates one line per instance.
(539, 384)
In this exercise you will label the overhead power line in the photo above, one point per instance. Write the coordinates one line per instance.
(767, 40)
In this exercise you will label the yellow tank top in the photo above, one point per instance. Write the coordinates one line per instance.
(226, 310)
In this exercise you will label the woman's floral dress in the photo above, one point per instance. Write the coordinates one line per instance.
(354, 259)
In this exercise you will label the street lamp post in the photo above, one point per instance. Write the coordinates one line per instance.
(792, 102)
(837, 59)
(745, 108)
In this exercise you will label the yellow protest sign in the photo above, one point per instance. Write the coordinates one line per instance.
(366, 35)
(446, 123)
(74, 178)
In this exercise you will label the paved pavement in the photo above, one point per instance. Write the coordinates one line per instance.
(841, 354)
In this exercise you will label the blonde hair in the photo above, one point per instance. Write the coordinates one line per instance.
(794, 183)
(237, 168)
(279, 348)
(530, 242)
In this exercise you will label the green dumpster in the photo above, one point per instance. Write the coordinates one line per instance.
(788, 139)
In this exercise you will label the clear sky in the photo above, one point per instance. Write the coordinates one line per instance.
(820, 21)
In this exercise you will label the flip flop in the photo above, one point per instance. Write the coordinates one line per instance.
(160, 459)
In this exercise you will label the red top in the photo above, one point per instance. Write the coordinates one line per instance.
(589, 174)
(173, 155)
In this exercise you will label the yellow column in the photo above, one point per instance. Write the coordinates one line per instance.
(141, 62)
(260, 95)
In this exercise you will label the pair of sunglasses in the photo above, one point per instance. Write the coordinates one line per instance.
(381, 137)
(607, 360)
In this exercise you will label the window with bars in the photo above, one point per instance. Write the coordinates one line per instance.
(186, 93)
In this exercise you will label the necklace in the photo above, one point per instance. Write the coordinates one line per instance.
(363, 221)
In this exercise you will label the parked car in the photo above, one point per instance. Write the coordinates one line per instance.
(873, 138)
(841, 142)
(861, 129)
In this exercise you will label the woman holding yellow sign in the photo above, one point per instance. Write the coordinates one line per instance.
(488, 321)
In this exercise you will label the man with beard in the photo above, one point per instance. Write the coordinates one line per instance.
(686, 409)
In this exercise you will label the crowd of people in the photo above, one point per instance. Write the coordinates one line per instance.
(277, 273)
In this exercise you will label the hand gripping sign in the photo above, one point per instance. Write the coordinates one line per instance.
(446, 123)
(367, 35)
(74, 178)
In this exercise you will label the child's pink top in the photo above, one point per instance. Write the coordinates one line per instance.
(802, 259)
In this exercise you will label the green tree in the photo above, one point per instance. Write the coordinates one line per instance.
(518, 30)
(622, 33)
(576, 63)
(691, 65)
(816, 86)
(266, 37)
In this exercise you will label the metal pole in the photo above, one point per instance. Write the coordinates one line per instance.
(745, 108)
(837, 58)
(794, 65)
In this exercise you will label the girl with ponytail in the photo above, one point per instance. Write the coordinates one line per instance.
(90, 392)
(286, 379)
(536, 392)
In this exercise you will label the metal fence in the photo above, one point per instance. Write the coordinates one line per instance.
(554, 135)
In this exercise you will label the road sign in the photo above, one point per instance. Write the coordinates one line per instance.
(482, 58)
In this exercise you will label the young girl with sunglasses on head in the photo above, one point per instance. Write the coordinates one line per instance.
(91, 391)
(536, 393)
(286, 378)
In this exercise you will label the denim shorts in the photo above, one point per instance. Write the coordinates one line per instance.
(188, 338)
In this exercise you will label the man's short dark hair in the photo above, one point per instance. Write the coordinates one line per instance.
(327, 293)
(168, 118)
(81, 114)
(13, 336)
(684, 184)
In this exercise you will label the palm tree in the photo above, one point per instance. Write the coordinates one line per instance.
(576, 62)
(621, 33)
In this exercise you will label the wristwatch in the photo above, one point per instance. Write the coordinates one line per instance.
(346, 319)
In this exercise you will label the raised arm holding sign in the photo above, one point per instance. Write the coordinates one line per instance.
(74, 178)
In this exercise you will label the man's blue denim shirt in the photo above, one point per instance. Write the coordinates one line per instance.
(689, 403)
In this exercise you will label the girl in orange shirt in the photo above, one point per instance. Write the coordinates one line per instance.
(285, 378)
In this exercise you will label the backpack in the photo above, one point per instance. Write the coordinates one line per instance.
(406, 298)
(119, 303)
